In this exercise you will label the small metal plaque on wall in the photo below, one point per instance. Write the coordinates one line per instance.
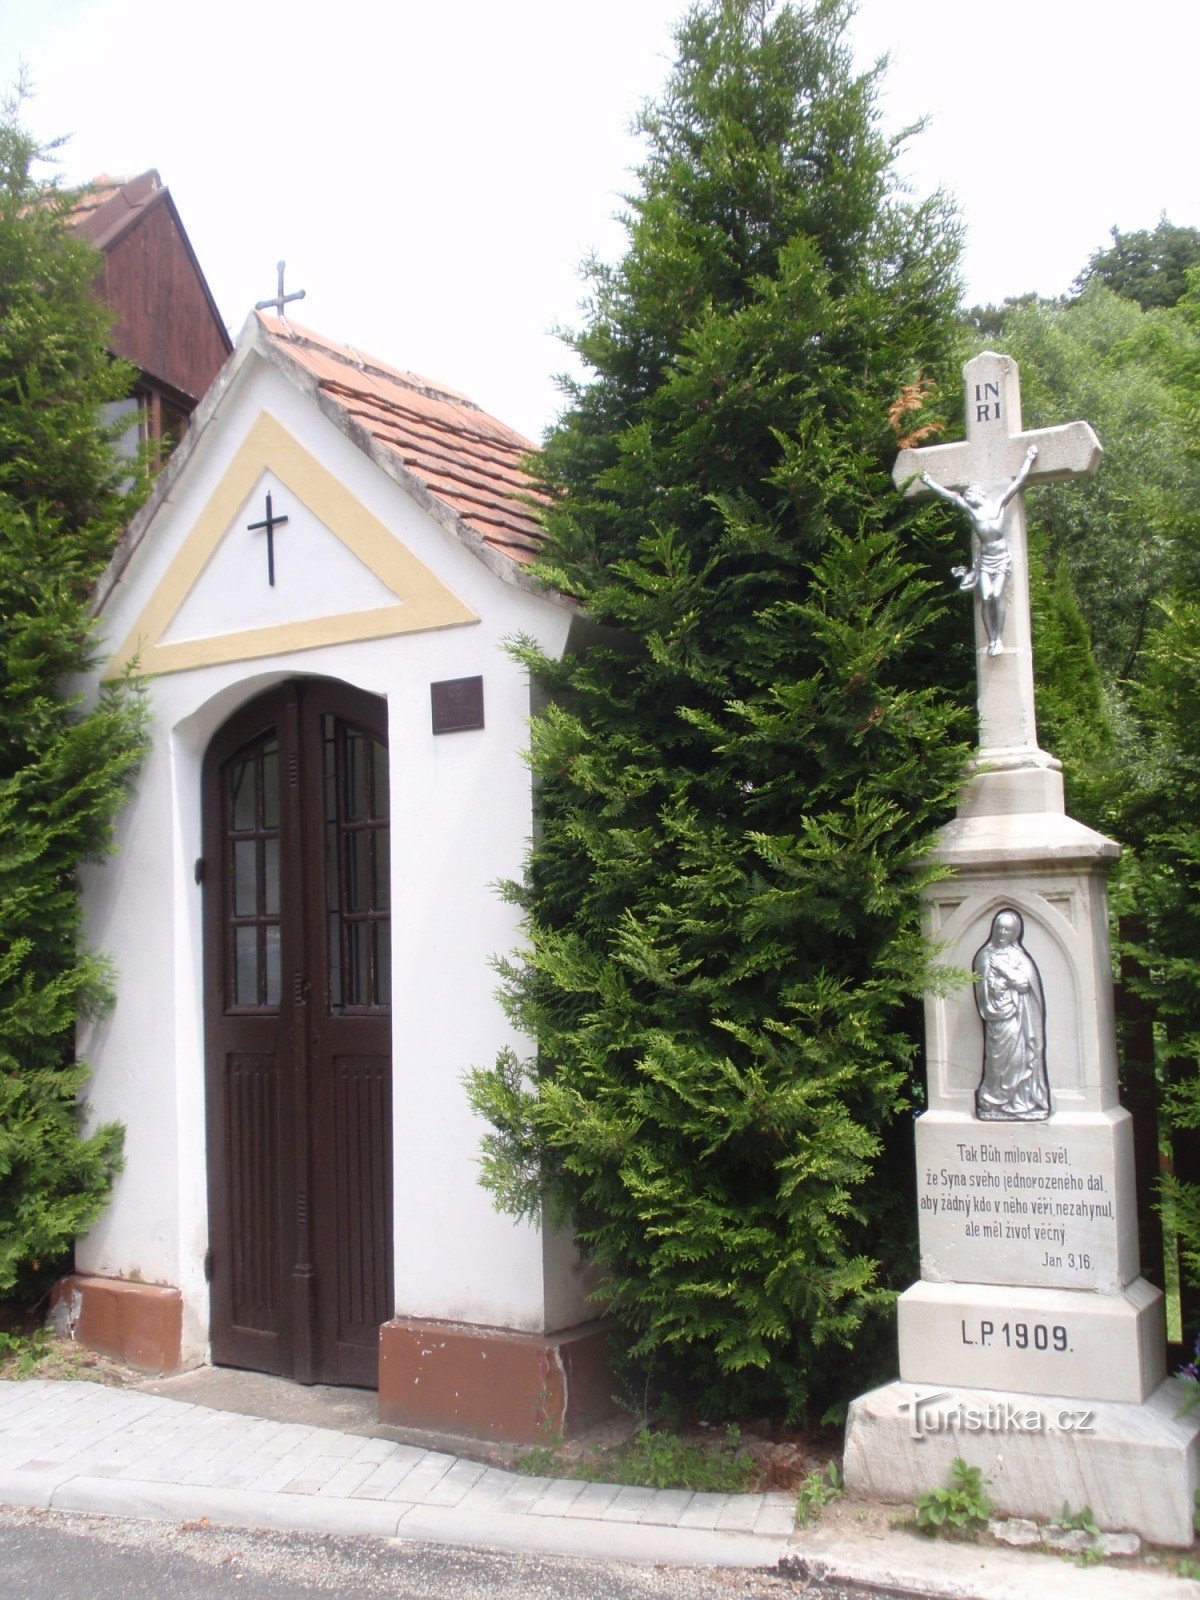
(457, 704)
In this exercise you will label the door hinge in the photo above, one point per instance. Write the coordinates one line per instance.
(198, 870)
(208, 1266)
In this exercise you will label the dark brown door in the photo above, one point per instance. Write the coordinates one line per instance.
(298, 1016)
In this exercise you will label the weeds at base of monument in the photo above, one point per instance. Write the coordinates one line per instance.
(817, 1490)
(961, 1509)
(1083, 1520)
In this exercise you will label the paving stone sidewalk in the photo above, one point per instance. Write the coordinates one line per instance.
(84, 1447)
(75, 1446)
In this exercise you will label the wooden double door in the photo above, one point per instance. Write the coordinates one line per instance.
(298, 1023)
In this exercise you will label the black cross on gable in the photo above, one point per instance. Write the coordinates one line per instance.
(270, 523)
(280, 299)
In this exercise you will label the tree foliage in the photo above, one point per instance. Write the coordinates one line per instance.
(63, 768)
(1149, 266)
(1117, 633)
(1162, 821)
(1121, 534)
(988, 323)
(739, 774)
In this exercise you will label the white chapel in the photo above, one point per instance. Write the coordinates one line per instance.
(302, 909)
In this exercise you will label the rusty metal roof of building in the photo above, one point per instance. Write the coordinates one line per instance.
(462, 456)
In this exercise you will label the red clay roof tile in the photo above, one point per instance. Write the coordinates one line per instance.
(467, 459)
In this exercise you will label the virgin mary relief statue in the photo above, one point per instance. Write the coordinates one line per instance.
(1012, 1006)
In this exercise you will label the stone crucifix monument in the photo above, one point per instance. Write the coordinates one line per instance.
(1031, 1346)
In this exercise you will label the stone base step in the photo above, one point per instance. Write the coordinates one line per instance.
(1136, 1466)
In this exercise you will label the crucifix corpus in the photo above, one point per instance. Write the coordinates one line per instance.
(984, 476)
(270, 522)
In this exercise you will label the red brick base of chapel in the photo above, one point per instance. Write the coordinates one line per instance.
(493, 1383)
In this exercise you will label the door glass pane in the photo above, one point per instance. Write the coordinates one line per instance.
(335, 963)
(382, 887)
(328, 735)
(357, 864)
(383, 965)
(245, 878)
(253, 890)
(355, 775)
(333, 878)
(379, 780)
(354, 977)
(270, 785)
(273, 964)
(271, 877)
(242, 792)
(333, 864)
(245, 988)
(356, 871)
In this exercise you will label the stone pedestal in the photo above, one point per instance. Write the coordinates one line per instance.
(1030, 1304)
(1134, 1465)
(1030, 1317)
(1034, 1341)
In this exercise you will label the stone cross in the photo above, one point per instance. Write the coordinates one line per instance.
(993, 454)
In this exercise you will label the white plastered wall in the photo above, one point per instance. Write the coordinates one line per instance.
(461, 819)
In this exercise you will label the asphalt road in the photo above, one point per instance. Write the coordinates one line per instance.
(52, 1555)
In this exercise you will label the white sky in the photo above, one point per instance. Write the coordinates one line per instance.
(435, 175)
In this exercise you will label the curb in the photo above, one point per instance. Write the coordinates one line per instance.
(906, 1564)
(595, 1539)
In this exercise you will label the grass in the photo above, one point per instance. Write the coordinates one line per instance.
(37, 1353)
(653, 1459)
(22, 1354)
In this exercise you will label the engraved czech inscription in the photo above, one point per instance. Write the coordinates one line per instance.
(1026, 1205)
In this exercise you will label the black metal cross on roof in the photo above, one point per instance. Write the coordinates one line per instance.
(280, 299)
(270, 523)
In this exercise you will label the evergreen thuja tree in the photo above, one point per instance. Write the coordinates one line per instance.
(63, 769)
(739, 775)
(1162, 818)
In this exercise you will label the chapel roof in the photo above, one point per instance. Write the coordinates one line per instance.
(464, 466)
(461, 456)
(110, 206)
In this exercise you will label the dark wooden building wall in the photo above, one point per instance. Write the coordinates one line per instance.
(164, 321)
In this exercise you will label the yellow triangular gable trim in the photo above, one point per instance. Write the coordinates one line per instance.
(269, 447)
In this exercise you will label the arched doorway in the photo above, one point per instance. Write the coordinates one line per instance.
(298, 1023)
